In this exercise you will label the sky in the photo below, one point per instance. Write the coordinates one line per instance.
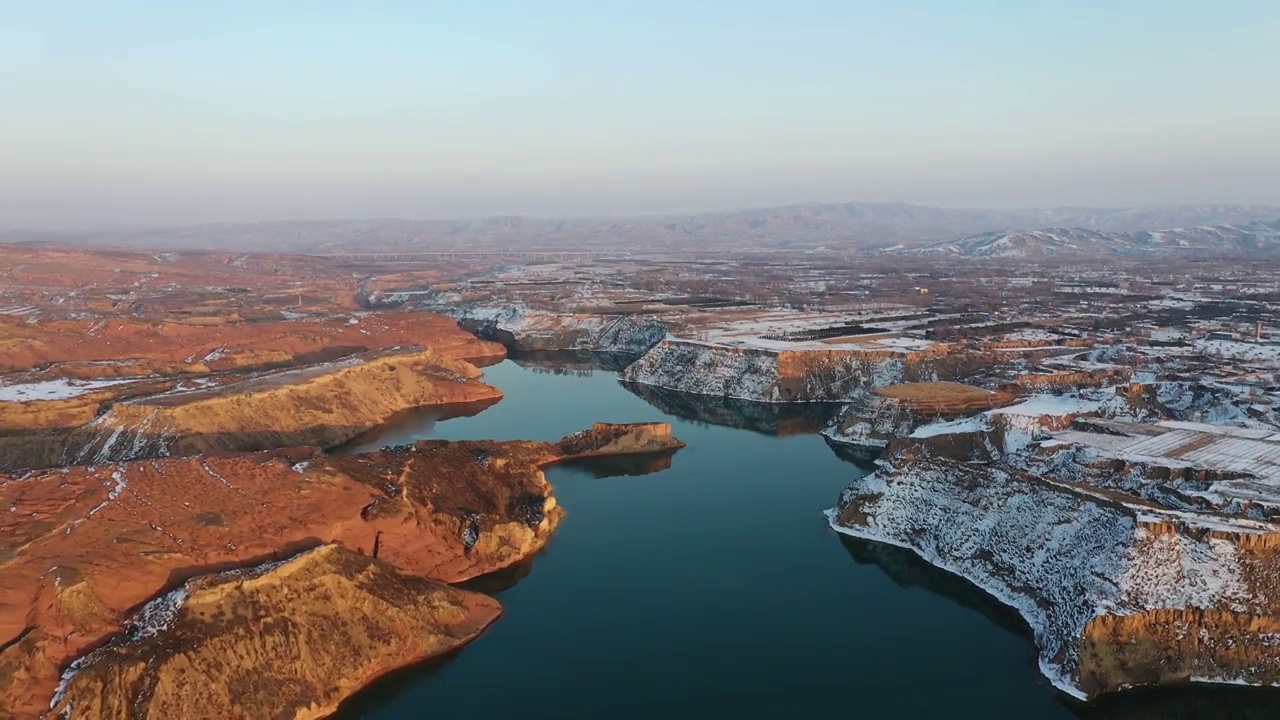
(119, 113)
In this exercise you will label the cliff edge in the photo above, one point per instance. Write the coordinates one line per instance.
(1134, 560)
(185, 655)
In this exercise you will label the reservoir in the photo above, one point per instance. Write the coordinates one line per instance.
(714, 588)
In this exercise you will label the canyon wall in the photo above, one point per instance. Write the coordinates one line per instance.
(321, 405)
(524, 330)
(767, 375)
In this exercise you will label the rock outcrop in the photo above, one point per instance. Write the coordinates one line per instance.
(185, 655)
(605, 439)
(763, 375)
(1124, 577)
(525, 330)
(874, 419)
(322, 405)
(82, 546)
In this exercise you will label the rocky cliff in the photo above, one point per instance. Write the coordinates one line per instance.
(619, 439)
(764, 375)
(522, 329)
(1124, 578)
(873, 419)
(321, 405)
(185, 654)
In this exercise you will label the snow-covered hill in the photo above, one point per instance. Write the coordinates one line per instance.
(1138, 553)
(809, 225)
(1248, 239)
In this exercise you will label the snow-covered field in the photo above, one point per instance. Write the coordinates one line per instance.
(59, 389)
(1050, 405)
(1032, 335)
(764, 331)
(1263, 354)
(1254, 452)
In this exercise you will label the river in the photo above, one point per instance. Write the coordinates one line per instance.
(714, 588)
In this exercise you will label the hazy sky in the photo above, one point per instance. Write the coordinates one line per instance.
(118, 112)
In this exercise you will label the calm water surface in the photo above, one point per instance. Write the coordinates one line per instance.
(715, 589)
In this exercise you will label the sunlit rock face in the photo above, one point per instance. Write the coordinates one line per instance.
(321, 405)
(283, 640)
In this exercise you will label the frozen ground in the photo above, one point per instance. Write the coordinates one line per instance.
(59, 389)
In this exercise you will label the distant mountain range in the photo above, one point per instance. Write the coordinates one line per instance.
(834, 226)
(1252, 239)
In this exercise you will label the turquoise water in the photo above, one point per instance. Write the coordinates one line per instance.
(715, 589)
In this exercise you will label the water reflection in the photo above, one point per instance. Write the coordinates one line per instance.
(394, 683)
(500, 580)
(623, 465)
(907, 569)
(407, 426)
(573, 362)
(1199, 702)
(860, 455)
(779, 419)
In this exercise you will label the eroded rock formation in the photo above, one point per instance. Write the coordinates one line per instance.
(872, 420)
(769, 375)
(522, 329)
(185, 654)
(321, 405)
(619, 439)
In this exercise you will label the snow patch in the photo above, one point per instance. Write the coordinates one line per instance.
(60, 389)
